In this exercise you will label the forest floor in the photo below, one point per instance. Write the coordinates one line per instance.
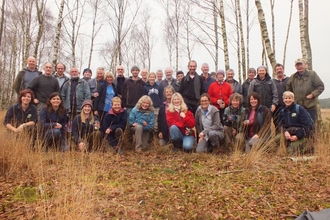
(159, 184)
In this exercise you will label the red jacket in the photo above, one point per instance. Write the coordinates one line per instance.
(217, 91)
(173, 118)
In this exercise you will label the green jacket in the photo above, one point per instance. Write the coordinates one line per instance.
(301, 86)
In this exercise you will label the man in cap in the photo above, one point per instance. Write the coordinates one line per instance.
(87, 74)
(306, 86)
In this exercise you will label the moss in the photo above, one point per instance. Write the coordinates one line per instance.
(27, 194)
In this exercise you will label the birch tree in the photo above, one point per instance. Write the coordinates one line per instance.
(306, 49)
(264, 33)
(287, 33)
(58, 32)
(2, 19)
(224, 35)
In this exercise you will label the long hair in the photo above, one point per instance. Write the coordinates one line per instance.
(23, 94)
(49, 107)
(142, 99)
(183, 105)
(256, 96)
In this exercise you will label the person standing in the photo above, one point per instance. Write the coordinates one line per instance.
(59, 75)
(119, 80)
(87, 74)
(159, 74)
(44, 85)
(169, 80)
(220, 92)
(266, 88)
(144, 75)
(235, 86)
(245, 86)
(132, 90)
(207, 79)
(306, 86)
(191, 87)
(97, 82)
(280, 82)
(25, 76)
(74, 93)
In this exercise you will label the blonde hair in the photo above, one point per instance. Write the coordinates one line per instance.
(183, 105)
(116, 99)
(152, 73)
(288, 94)
(90, 117)
(109, 74)
(143, 98)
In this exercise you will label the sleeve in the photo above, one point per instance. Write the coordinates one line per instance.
(9, 115)
(226, 113)
(33, 84)
(63, 91)
(97, 99)
(189, 120)
(75, 129)
(122, 123)
(18, 82)
(251, 87)
(172, 120)
(124, 95)
(87, 91)
(92, 86)
(275, 94)
(203, 89)
(288, 86)
(318, 85)
(144, 91)
(43, 120)
(240, 89)
(132, 116)
(151, 121)
(34, 113)
(214, 99)
(304, 120)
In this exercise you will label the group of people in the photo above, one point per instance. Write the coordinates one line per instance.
(213, 108)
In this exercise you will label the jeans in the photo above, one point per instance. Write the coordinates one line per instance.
(187, 140)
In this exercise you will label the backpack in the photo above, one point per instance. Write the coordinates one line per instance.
(310, 120)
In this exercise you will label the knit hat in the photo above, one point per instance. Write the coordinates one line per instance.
(87, 69)
(221, 72)
(87, 102)
(135, 68)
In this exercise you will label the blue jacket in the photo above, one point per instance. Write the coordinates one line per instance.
(290, 117)
(155, 92)
(138, 116)
(99, 102)
(83, 93)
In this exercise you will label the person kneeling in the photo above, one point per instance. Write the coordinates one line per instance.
(114, 123)
(294, 120)
(141, 121)
(208, 125)
(180, 121)
(85, 129)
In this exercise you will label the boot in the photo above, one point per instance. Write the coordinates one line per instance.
(177, 145)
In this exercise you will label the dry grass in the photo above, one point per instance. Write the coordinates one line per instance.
(158, 184)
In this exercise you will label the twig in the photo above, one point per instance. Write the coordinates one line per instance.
(230, 171)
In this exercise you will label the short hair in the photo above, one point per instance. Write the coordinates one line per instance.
(278, 64)
(205, 95)
(152, 73)
(62, 64)
(100, 68)
(139, 103)
(262, 67)
(115, 99)
(252, 70)
(205, 64)
(109, 74)
(256, 96)
(183, 104)
(23, 94)
(230, 70)
(169, 87)
(192, 61)
(179, 72)
(213, 73)
(236, 96)
(289, 94)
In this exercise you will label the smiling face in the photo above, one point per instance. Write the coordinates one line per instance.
(60, 69)
(288, 100)
(31, 63)
(205, 102)
(205, 68)
(135, 73)
(253, 102)
(26, 99)
(176, 100)
(301, 67)
(152, 79)
(168, 94)
(87, 109)
(100, 74)
(145, 104)
(230, 74)
(235, 103)
(220, 77)
(48, 69)
(262, 73)
(55, 101)
(109, 80)
(251, 75)
(116, 106)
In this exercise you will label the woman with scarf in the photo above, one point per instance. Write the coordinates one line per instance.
(85, 129)
(208, 126)
(141, 121)
(181, 122)
(219, 92)
(52, 121)
(114, 123)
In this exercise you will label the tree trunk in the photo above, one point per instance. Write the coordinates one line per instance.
(247, 35)
(287, 34)
(238, 54)
(302, 29)
(58, 33)
(272, 4)
(224, 35)
(264, 32)
(242, 42)
(307, 40)
(2, 19)
(40, 16)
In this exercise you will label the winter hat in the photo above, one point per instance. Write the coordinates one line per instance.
(87, 69)
(135, 68)
(221, 72)
(262, 67)
(87, 102)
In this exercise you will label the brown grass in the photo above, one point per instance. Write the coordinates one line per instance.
(158, 184)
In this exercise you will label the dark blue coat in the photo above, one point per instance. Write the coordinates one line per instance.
(99, 101)
(155, 92)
